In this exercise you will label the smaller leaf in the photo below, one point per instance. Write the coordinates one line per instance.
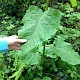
(22, 78)
(78, 16)
(73, 2)
(37, 78)
(66, 52)
(32, 58)
(46, 78)
(50, 52)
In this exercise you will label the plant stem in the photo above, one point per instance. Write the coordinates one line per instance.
(43, 49)
(62, 4)
(47, 3)
(43, 56)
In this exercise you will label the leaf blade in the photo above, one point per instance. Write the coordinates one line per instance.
(73, 2)
(66, 52)
(38, 27)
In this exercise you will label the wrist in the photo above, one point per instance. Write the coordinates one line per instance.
(4, 39)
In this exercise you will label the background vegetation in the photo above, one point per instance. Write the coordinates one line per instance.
(12, 65)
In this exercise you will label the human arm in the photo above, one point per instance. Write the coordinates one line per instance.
(3, 46)
(11, 43)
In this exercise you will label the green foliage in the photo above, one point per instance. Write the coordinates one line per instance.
(78, 16)
(32, 58)
(18, 73)
(43, 26)
(66, 52)
(53, 48)
(73, 2)
(39, 31)
(46, 78)
(37, 78)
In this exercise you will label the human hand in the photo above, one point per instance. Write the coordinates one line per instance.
(14, 42)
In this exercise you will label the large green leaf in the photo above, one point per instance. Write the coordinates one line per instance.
(66, 52)
(38, 26)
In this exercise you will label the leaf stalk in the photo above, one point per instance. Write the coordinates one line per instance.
(47, 4)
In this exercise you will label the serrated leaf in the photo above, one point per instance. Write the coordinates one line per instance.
(38, 26)
(66, 52)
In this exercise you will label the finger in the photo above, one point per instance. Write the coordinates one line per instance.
(14, 48)
(20, 40)
(16, 44)
(17, 48)
(11, 48)
(14, 37)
